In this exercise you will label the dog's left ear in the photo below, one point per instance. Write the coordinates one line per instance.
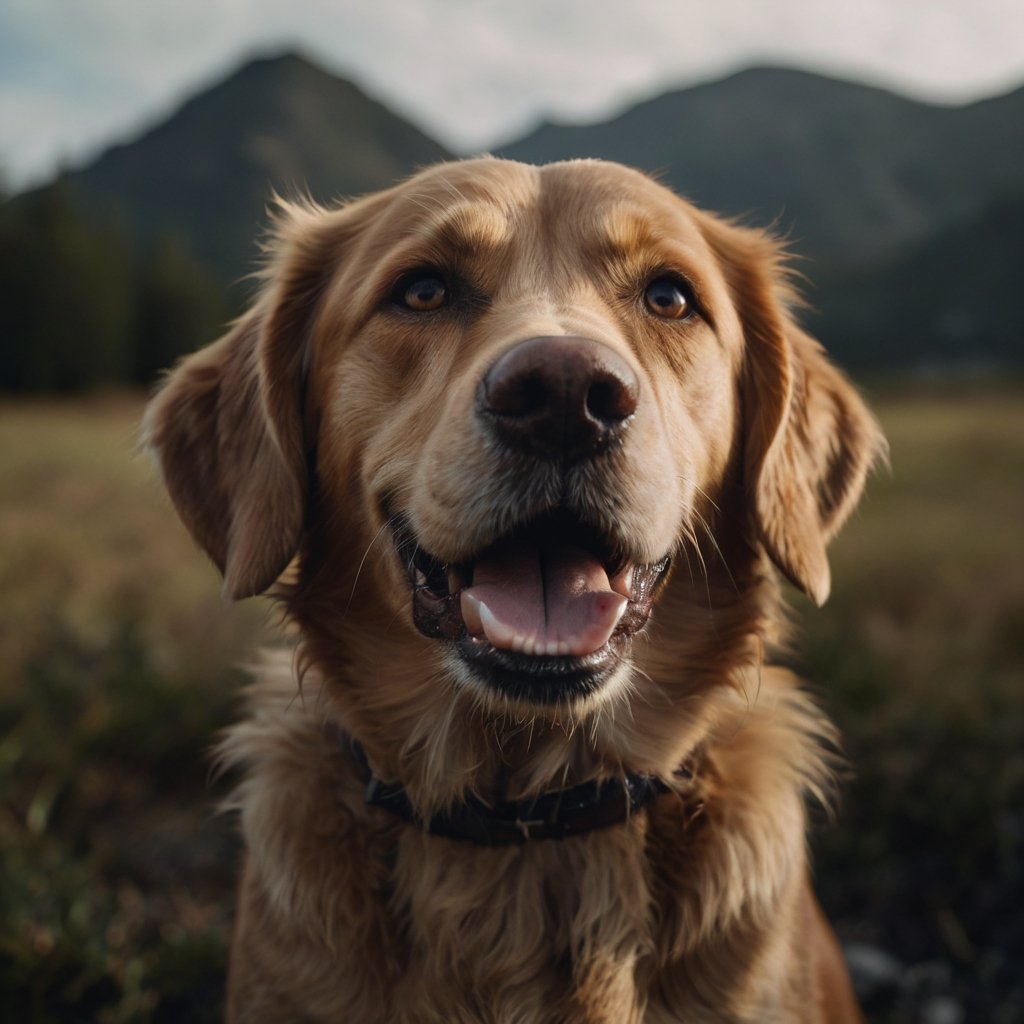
(226, 428)
(810, 440)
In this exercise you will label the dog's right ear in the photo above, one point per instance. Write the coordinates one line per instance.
(809, 438)
(226, 427)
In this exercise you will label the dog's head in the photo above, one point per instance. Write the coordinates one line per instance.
(491, 409)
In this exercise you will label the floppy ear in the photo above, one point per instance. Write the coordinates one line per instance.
(808, 453)
(226, 428)
(810, 439)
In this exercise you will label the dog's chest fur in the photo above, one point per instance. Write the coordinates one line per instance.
(663, 918)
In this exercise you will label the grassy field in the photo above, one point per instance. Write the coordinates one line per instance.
(117, 668)
(919, 655)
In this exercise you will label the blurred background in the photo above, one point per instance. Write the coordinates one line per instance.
(139, 144)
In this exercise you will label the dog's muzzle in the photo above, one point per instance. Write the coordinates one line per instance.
(544, 612)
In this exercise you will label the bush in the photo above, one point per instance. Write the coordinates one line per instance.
(81, 305)
(112, 878)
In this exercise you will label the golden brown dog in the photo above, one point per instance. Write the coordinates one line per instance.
(529, 439)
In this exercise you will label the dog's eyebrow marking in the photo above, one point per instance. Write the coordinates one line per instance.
(627, 228)
(627, 232)
(467, 226)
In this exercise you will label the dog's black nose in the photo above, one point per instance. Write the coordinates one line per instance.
(560, 398)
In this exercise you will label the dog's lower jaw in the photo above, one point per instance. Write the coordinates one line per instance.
(540, 698)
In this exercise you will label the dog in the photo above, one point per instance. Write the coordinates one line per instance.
(523, 453)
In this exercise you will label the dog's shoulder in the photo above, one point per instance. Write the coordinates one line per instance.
(298, 799)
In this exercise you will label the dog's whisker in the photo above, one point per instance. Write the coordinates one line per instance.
(694, 540)
(388, 523)
(709, 533)
(703, 493)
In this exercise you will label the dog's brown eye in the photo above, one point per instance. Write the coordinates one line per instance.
(424, 293)
(666, 298)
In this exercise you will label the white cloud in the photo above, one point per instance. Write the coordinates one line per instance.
(75, 75)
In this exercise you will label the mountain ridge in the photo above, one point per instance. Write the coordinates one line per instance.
(839, 166)
(861, 181)
(277, 123)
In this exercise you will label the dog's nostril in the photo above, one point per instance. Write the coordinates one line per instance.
(612, 399)
(559, 397)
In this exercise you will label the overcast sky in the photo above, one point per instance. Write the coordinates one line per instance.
(76, 75)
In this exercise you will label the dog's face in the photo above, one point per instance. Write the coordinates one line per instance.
(494, 406)
(545, 403)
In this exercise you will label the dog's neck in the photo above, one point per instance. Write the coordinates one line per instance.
(556, 814)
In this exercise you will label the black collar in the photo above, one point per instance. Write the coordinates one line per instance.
(556, 814)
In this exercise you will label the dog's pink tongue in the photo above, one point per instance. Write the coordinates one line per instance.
(554, 600)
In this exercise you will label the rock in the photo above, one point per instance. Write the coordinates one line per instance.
(872, 970)
(942, 1010)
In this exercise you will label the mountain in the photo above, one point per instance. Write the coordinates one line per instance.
(281, 123)
(954, 298)
(911, 215)
(849, 173)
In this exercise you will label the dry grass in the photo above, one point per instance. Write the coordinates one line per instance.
(117, 658)
(920, 656)
(88, 537)
(116, 670)
(928, 573)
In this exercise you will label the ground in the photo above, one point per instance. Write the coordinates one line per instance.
(119, 662)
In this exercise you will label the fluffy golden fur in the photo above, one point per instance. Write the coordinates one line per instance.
(331, 412)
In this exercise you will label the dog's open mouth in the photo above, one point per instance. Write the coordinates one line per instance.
(544, 613)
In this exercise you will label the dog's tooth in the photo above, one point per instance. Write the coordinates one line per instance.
(552, 648)
(563, 649)
(472, 616)
(496, 632)
(622, 582)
